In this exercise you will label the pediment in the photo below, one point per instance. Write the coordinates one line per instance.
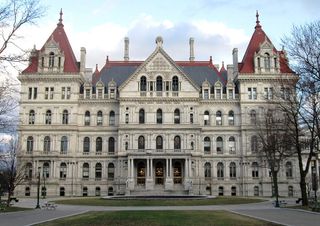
(159, 62)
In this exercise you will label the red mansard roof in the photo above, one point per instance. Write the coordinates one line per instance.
(60, 37)
(258, 37)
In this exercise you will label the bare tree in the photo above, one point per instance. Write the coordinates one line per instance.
(14, 14)
(13, 173)
(275, 144)
(9, 101)
(303, 108)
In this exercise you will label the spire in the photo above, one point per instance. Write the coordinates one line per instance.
(257, 21)
(60, 19)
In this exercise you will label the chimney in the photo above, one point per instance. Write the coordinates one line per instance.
(191, 43)
(83, 59)
(126, 49)
(235, 61)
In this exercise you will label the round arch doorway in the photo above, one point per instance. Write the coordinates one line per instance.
(159, 173)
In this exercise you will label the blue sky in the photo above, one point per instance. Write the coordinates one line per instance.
(218, 26)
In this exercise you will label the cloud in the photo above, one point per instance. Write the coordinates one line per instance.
(211, 39)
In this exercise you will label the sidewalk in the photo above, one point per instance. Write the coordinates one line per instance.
(263, 211)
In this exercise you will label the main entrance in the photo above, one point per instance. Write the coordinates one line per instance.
(159, 173)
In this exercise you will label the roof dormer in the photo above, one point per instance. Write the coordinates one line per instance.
(266, 59)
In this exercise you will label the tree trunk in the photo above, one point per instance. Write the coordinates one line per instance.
(275, 184)
(303, 189)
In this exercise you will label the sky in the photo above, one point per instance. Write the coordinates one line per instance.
(217, 26)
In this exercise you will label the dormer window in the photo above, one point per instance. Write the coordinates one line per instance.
(51, 59)
(143, 83)
(159, 83)
(267, 62)
(175, 84)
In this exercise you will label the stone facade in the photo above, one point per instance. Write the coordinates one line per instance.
(149, 127)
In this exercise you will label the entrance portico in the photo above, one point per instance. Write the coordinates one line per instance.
(159, 174)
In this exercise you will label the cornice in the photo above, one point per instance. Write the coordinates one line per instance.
(58, 77)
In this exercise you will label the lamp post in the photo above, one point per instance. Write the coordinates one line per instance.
(38, 189)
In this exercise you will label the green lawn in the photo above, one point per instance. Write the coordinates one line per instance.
(158, 202)
(158, 218)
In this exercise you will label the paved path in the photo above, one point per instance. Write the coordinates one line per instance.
(263, 211)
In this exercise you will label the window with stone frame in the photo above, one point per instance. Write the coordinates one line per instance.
(218, 118)
(231, 118)
(85, 171)
(289, 173)
(29, 144)
(65, 117)
(159, 116)
(111, 145)
(99, 118)
(206, 118)
(98, 171)
(233, 170)
(112, 118)
(176, 116)
(31, 117)
(63, 171)
(159, 143)
(255, 170)
(46, 144)
(220, 171)
(111, 171)
(48, 117)
(141, 143)
(98, 145)
(207, 170)
(64, 145)
(141, 116)
(232, 145)
(219, 144)
(86, 145)
(87, 118)
(207, 145)
(177, 143)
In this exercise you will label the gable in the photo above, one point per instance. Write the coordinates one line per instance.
(158, 64)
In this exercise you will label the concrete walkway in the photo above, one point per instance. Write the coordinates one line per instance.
(263, 211)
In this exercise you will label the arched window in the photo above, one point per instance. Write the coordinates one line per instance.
(288, 169)
(64, 145)
(219, 118)
(51, 59)
(220, 171)
(98, 191)
(159, 116)
(232, 144)
(98, 145)
(255, 170)
(254, 144)
(219, 143)
(143, 83)
(141, 116)
(65, 117)
(111, 171)
(159, 83)
(28, 174)
(87, 118)
(46, 144)
(63, 171)
(48, 117)
(253, 117)
(46, 170)
(99, 118)
(159, 143)
(267, 61)
(86, 145)
(231, 118)
(175, 83)
(98, 172)
(207, 145)
(207, 170)
(85, 170)
(31, 117)
(141, 144)
(206, 118)
(111, 145)
(177, 116)
(233, 191)
(233, 171)
(220, 191)
(29, 144)
(112, 118)
(177, 143)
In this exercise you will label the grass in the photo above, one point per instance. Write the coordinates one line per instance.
(158, 202)
(158, 218)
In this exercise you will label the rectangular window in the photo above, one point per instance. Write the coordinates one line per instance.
(249, 93)
(87, 93)
(191, 118)
(30, 93)
(230, 93)
(63, 92)
(100, 93)
(252, 93)
(51, 92)
(68, 92)
(35, 93)
(206, 94)
(46, 93)
(218, 93)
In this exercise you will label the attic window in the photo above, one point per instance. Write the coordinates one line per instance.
(267, 61)
(51, 59)
(275, 63)
(59, 62)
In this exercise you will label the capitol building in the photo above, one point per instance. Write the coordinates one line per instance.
(152, 127)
